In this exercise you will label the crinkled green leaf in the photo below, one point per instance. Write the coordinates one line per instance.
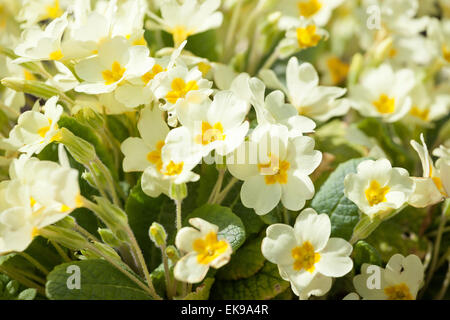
(27, 294)
(330, 199)
(202, 291)
(99, 280)
(264, 285)
(247, 261)
(365, 253)
(230, 225)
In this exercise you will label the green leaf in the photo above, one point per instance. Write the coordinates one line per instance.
(99, 280)
(330, 199)
(397, 235)
(27, 294)
(39, 249)
(117, 127)
(365, 253)
(264, 285)
(247, 261)
(142, 211)
(203, 45)
(230, 225)
(202, 291)
(206, 184)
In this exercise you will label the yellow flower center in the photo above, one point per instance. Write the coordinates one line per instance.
(209, 248)
(140, 42)
(438, 182)
(392, 52)
(305, 257)
(310, 8)
(180, 34)
(152, 73)
(204, 68)
(338, 69)
(79, 201)
(28, 75)
(34, 232)
(421, 114)
(307, 37)
(32, 201)
(43, 131)
(446, 53)
(180, 88)
(376, 194)
(54, 11)
(113, 75)
(384, 104)
(398, 292)
(155, 155)
(56, 55)
(275, 171)
(64, 208)
(173, 169)
(210, 133)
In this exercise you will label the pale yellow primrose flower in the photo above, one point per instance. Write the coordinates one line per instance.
(34, 130)
(33, 11)
(377, 188)
(39, 194)
(383, 93)
(204, 248)
(189, 18)
(274, 110)
(306, 255)
(177, 161)
(89, 29)
(37, 44)
(443, 165)
(318, 11)
(400, 280)
(274, 167)
(215, 125)
(180, 85)
(429, 189)
(143, 152)
(115, 63)
(304, 93)
(439, 31)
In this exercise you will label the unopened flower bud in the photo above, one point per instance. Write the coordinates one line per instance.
(172, 253)
(33, 87)
(157, 234)
(80, 149)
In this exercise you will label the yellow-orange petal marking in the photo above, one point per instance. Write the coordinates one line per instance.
(376, 194)
(180, 89)
(305, 257)
(398, 292)
(384, 104)
(209, 248)
(113, 75)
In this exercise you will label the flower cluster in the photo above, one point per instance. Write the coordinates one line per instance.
(289, 126)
